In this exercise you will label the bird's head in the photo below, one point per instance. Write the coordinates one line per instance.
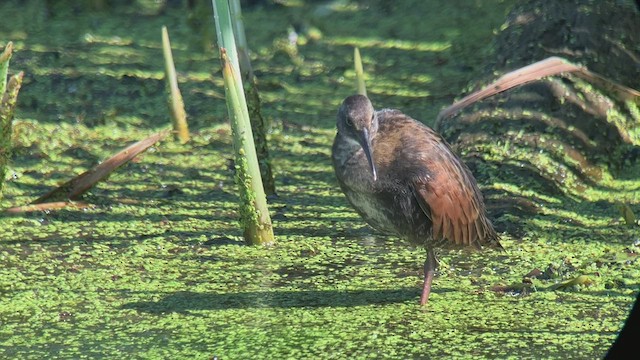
(357, 121)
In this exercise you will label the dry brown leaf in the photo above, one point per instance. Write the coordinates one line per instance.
(77, 186)
(47, 206)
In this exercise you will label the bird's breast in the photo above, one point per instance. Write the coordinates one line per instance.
(376, 211)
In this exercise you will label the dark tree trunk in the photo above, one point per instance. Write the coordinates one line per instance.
(561, 134)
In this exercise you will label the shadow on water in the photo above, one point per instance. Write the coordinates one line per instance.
(185, 301)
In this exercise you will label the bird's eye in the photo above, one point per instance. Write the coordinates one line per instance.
(348, 121)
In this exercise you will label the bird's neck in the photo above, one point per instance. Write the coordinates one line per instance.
(344, 147)
(351, 165)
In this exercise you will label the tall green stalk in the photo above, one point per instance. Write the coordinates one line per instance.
(224, 32)
(8, 98)
(254, 212)
(5, 56)
(259, 126)
(176, 104)
(241, 39)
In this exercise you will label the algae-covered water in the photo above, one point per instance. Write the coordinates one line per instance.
(157, 267)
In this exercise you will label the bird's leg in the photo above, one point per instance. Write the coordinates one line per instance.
(429, 269)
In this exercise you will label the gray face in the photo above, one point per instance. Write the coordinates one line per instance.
(355, 115)
(357, 121)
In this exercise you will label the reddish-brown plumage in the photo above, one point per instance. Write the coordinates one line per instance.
(405, 180)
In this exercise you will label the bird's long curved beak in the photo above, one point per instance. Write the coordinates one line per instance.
(365, 140)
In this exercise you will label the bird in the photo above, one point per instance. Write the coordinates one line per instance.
(404, 180)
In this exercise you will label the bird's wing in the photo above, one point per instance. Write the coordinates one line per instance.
(449, 196)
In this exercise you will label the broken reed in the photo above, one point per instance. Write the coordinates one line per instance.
(357, 60)
(176, 104)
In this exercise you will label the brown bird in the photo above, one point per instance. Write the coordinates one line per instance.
(404, 180)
